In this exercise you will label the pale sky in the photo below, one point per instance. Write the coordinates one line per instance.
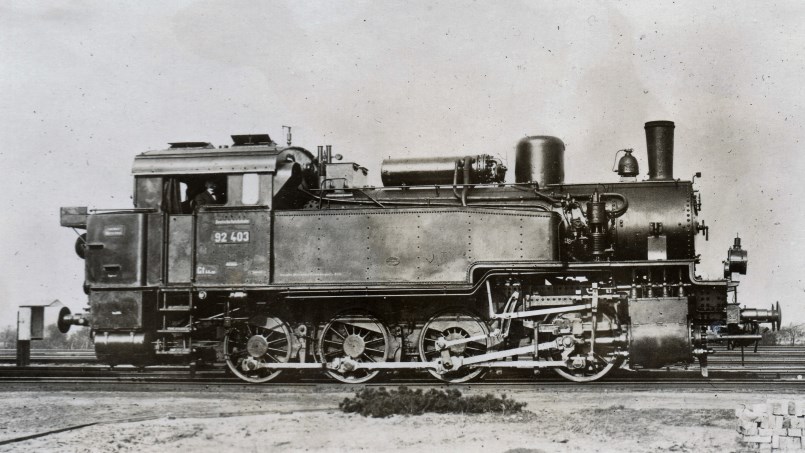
(86, 85)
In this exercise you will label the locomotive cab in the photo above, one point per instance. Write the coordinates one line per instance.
(256, 177)
(143, 264)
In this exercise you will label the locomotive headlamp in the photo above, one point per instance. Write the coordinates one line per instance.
(81, 246)
(737, 259)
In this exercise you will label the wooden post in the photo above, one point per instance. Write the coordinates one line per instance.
(23, 353)
(24, 315)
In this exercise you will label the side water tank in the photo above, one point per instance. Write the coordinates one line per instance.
(540, 159)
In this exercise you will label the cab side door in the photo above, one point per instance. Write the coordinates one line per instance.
(233, 240)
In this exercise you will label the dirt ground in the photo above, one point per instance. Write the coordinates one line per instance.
(587, 420)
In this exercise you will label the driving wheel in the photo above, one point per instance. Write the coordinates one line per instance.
(454, 325)
(354, 337)
(260, 340)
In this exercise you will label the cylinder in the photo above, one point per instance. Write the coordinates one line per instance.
(540, 159)
(660, 147)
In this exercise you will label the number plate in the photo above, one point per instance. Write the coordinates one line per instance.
(230, 237)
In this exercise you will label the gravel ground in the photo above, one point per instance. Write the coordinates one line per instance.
(308, 419)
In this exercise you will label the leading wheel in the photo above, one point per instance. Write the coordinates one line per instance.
(259, 341)
(454, 325)
(592, 371)
(584, 365)
(354, 337)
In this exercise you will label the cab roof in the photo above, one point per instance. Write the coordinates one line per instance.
(253, 153)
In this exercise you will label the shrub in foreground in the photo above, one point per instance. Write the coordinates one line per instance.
(404, 401)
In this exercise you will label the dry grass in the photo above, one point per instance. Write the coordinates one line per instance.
(624, 421)
(383, 403)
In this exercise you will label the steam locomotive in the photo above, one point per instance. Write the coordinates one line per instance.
(299, 264)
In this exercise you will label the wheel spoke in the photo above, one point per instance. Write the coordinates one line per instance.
(277, 350)
(480, 349)
(357, 330)
(346, 327)
(335, 331)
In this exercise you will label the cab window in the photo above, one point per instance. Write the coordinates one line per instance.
(184, 194)
(250, 193)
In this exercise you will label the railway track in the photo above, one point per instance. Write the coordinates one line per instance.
(172, 378)
(66, 356)
(718, 385)
(777, 363)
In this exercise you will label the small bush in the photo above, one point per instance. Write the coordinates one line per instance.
(383, 403)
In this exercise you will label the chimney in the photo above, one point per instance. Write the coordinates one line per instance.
(660, 147)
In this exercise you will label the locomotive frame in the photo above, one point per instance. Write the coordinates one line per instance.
(446, 268)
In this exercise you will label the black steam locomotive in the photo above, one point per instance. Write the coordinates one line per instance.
(293, 262)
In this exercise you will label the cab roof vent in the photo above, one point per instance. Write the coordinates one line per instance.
(251, 140)
(178, 145)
